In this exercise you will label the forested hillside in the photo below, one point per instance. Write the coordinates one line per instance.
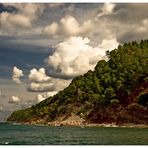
(115, 92)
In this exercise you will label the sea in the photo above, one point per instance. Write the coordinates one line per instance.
(19, 134)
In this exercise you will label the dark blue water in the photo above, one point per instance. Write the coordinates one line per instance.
(47, 135)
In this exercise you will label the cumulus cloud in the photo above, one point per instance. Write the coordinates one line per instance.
(7, 19)
(107, 9)
(108, 19)
(14, 99)
(52, 93)
(68, 26)
(40, 87)
(51, 29)
(143, 27)
(71, 26)
(109, 44)
(41, 97)
(17, 73)
(38, 75)
(60, 84)
(128, 23)
(40, 82)
(55, 84)
(75, 55)
(23, 17)
(29, 9)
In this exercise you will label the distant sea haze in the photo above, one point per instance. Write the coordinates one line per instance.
(4, 115)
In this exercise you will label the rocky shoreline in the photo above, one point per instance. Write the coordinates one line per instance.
(79, 122)
(89, 125)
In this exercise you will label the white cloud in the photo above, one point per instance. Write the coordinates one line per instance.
(9, 19)
(17, 73)
(60, 84)
(107, 9)
(75, 55)
(52, 85)
(41, 97)
(28, 9)
(40, 87)
(109, 44)
(51, 29)
(71, 26)
(52, 93)
(143, 27)
(24, 17)
(18, 20)
(32, 10)
(40, 82)
(14, 99)
(68, 26)
(38, 75)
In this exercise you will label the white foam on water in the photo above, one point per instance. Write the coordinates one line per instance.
(6, 142)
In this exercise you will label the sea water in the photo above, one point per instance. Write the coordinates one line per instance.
(15, 134)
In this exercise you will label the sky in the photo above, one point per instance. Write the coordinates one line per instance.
(44, 46)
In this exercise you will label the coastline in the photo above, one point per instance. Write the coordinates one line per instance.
(91, 125)
(76, 121)
(108, 125)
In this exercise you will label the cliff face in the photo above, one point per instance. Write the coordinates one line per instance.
(115, 92)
